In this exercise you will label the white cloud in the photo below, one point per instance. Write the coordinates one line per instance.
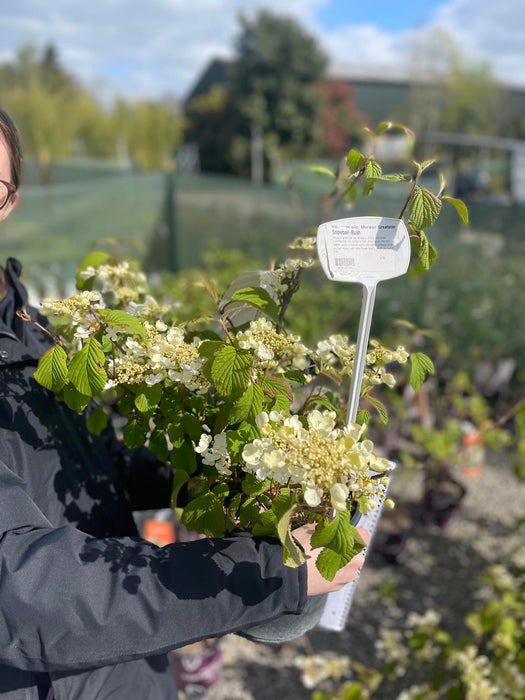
(161, 46)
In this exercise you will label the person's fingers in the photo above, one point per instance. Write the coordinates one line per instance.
(364, 534)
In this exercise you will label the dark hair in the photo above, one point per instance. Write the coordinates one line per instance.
(12, 138)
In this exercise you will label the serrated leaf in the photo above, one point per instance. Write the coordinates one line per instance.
(395, 177)
(249, 511)
(205, 515)
(423, 207)
(373, 171)
(258, 298)
(380, 408)
(175, 430)
(231, 370)
(284, 507)
(97, 421)
(86, 370)
(94, 259)
(208, 348)
(341, 542)
(192, 426)
(147, 397)
(363, 417)
(295, 376)
(158, 445)
(51, 372)
(252, 486)
(123, 321)
(74, 399)
(249, 405)
(354, 160)
(459, 206)
(180, 477)
(266, 525)
(235, 442)
(134, 434)
(221, 491)
(184, 457)
(421, 367)
(275, 386)
(234, 504)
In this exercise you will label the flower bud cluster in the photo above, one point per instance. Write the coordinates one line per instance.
(75, 307)
(272, 348)
(335, 352)
(331, 463)
(163, 354)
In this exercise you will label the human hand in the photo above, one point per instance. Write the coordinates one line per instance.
(316, 583)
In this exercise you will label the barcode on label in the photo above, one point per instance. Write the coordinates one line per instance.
(345, 262)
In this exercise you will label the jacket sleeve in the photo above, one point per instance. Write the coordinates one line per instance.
(70, 602)
(146, 480)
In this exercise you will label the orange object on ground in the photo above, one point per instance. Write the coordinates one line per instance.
(160, 532)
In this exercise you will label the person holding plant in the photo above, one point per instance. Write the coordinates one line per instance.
(89, 608)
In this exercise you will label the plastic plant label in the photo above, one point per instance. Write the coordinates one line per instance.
(363, 248)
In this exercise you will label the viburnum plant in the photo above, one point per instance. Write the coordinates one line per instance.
(252, 420)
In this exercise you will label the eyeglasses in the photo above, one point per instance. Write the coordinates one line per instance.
(7, 189)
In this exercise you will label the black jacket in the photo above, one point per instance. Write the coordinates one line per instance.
(85, 603)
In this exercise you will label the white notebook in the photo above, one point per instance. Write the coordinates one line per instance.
(338, 604)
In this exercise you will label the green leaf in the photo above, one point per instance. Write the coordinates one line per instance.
(320, 170)
(341, 542)
(134, 434)
(421, 367)
(260, 299)
(295, 376)
(266, 525)
(231, 371)
(97, 421)
(284, 506)
(159, 445)
(147, 397)
(180, 477)
(235, 441)
(363, 417)
(354, 160)
(205, 515)
(86, 370)
(94, 259)
(176, 430)
(221, 491)
(277, 386)
(123, 321)
(249, 511)
(208, 348)
(423, 207)
(234, 504)
(252, 486)
(52, 369)
(192, 426)
(379, 406)
(74, 399)
(396, 177)
(459, 206)
(373, 171)
(184, 457)
(249, 405)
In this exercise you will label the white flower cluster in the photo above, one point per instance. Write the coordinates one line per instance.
(475, 670)
(390, 647)
(162, 354)
(107, 277)
(317, 668)
(214, 451)
(335, 350)
(75, 307)
(325, 459)
(272, 348)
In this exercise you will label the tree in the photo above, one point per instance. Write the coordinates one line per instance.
(273, 86)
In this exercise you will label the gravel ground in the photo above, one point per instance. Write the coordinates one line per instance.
(439, 570)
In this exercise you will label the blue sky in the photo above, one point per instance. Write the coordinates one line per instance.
(387, 14)
(155, 48)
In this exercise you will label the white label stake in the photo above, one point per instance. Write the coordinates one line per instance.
(367, 250)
